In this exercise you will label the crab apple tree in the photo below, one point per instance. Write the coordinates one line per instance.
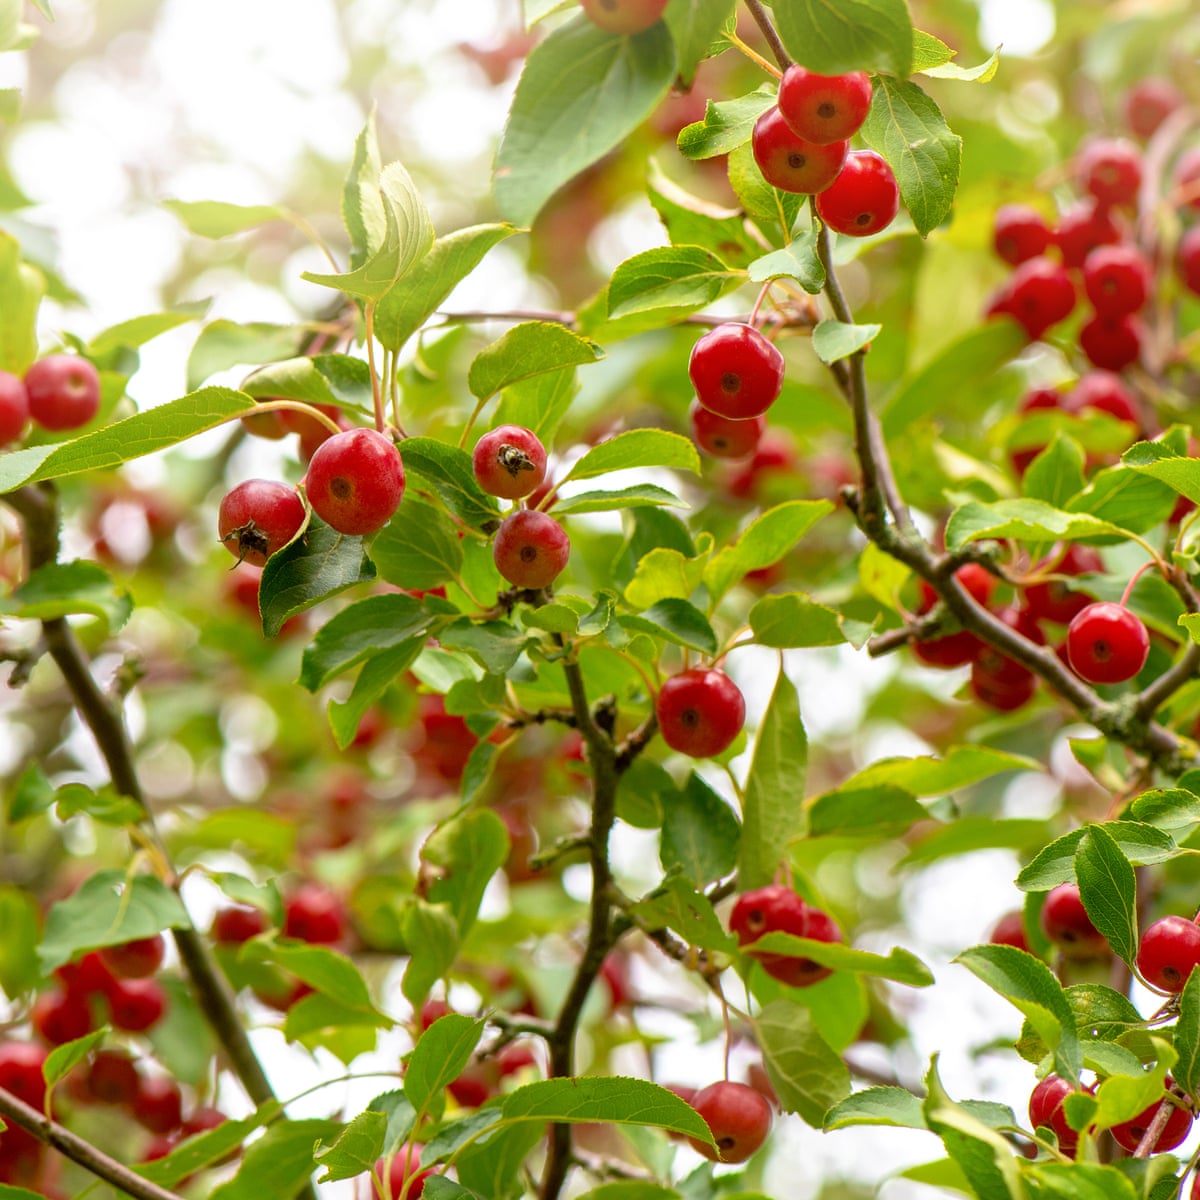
(730, 603)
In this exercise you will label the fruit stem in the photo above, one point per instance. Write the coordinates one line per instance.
(763, 21)
(1133, 582)
(289, 406)
(754, 56)
(762, 295)
(376, 390)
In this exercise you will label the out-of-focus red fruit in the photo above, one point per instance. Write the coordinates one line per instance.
(138, 959)
(136, 1005)
(158, 1104)
(404, 1169)
(1010, 931)
(61, 1017)
(21, 1072)
(314, 914)
(237, 924)
(773, 455)
(1148, 103)
(448, 740)
(615, 973)
(1066, 923)
(112, 1077)
(1081, 229)
(1055, 600)
(1020, 233)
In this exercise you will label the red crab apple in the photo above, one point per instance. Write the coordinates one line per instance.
(530, 549)
(824, 108)
(1019, 233)
(64, 391)
(739, 1118)
(1107, 643)
(1179, 1124)
(405, 1162)
(259, 517)
(790, 162)
(355, 481)
(1169, 949)
(1148, 104)
(864, 199)
(1066, 923)
(700, 711)
(138, 959)
(509, 462)
(1046, 1108)
(736, 372)
(14, 407)
(778, 909)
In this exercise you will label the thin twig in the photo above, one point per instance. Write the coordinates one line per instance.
(763, 21)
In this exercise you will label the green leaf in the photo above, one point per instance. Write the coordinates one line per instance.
(438, 1187)
(323, 379)
(356, 1150)
(279, 1163)
(637, 448)
(1080, 1181)
(852, 35)
(899, 965)
(977, 355)
(1030, 520)
(431, 935)
(218, 219)
(224, 344)
(8, 1192)
(974, 833)
(762, 543)
(581, 93)
(1028, 984)
(20, 918)
(928, 775)
(929, 51)
(418, 548)
(495, 645)
(539, 403)
(429, 281)
(531, 348)
(448, 470)
(1161, 462)
(677, 621)
(1187, 1036)
(1170, 809)
(699, 834)
(106, 910)
(727, 124)
(614, 1100)
(314, 566)
(773, 809)
(984, 73)
(144, 433)
(1108, 890)
(798, 260)
(985, 1158)
(365, 628)
(21, 291)
(774, 211)
(469, 850)
(107, 805)
(792, 619)
(491, 1168)
(1126, 498)
(440, 1055)
(62, 1059)
(1057, 474)
(679, 279)
(676, 905)
(330, 973)
(66, 588)
(880, 811)
(200, 1150)
(630, 1189)
(834, 340)
(808, 1077)
(362, 202)
(137, 331)
(692, 221)
(639, 495)
(1143, 845)
(694, 26)
(893, 1106)
(908, 129)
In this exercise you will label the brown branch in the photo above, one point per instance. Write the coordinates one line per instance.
(1156, 693)
(20, 1114)
(763, 21)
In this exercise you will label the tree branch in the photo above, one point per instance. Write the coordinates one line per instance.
(18, 1113)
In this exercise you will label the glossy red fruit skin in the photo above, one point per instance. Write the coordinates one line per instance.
(314, 914)
(405, 1162)
(723, 437)
(1169, 949)
(21, 1072)
(790, 162)
(777, 909)
(158, 1105)
(1103, 391)
(509, 462)
(355, 481)
(739, 1118)
(1148, 103)
(1112, 343)
(1081, 229)
(622, 16)
(1179, 1125)
(14, 407)
(138, 959)
(1020, 233)
(1066, 923)
(1107, 643)
(1111, 170)
(824, 108)
(700, 711)
(259, 517)
(1187, 260)
(1117, 279)
(1010, 931)
(136, 1005)
(864, 199)
(237, 924)
(1039, 295)
(1046, 1108)
(61, 1017)
(531, 549)
(63, 390)
(736, 372)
